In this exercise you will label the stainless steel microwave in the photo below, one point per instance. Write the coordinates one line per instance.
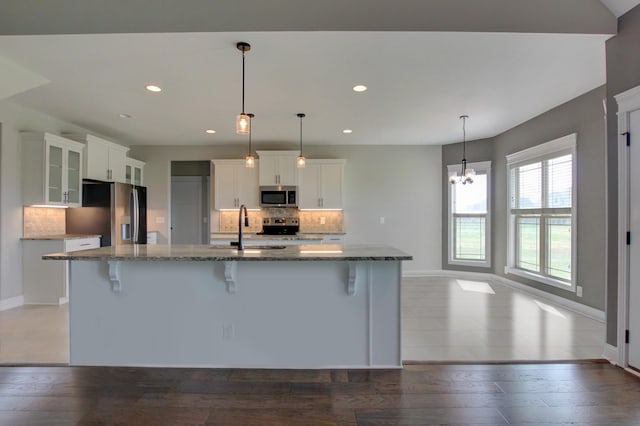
(278, 196)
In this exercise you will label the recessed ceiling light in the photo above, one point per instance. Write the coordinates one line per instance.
(124, 116)
(359, 88)
(153, 88)
(347, 131)
(210, 131)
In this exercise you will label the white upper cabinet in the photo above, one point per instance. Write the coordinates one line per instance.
(278, 167)
(321, 185)
(133, 171)
(235, 185)
(51, 170)
(104, 160)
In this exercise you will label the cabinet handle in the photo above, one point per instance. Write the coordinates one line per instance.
(85, 244)
(319, 205)
(321, 202)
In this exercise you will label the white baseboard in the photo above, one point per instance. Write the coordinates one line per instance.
(12, 302)
(585, 310)
(610, 353)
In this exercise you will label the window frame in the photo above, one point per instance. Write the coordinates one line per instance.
(483, 167)
(545, 151)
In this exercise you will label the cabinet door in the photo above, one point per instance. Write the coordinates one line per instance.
(226, 194)
(247, 187)
(117, 163)
(331, 186)
(268, 171)
(128, 173)
(309, 188)
(55, 174)
(97, 161)
(74, 177)
(287, 171)
(137, 176)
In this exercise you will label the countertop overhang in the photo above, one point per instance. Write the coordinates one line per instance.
(188, 252)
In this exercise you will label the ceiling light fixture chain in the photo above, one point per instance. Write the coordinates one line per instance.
(466, 174)
(301, 161)
(243, 121)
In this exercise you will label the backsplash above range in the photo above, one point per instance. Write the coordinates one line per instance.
(325, 221)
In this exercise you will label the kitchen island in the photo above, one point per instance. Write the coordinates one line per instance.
(303, 306)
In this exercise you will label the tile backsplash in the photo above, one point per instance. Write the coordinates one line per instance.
(310, 221)
(38, 221)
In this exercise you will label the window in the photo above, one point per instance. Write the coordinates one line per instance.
(542, 212)
(469, 219)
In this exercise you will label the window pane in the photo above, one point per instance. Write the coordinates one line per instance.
(471, 198)
(559, 172)
(528, 242)
(529, 186)
(559, 247)
(470, 238)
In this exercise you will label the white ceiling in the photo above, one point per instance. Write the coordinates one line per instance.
(419, 82)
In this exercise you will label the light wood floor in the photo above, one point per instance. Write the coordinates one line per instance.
(443, 320)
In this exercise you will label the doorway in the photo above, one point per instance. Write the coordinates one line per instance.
(628, 337)
(190, 213)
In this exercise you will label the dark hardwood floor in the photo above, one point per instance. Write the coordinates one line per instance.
(495, 394)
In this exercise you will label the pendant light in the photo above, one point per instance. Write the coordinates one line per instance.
(301, 161)
(243, 121)
(466, 174)
(249, 160)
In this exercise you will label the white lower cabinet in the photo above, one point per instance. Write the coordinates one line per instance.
(46, 282)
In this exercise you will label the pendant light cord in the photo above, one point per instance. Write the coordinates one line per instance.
(300, 135)
(243, 81)
(464, 138)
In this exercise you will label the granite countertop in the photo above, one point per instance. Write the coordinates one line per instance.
(60, 237)
(187, 252)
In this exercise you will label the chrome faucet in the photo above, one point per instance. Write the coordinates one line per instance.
(246, 223)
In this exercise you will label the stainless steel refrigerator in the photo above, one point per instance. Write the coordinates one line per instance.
(116, 211)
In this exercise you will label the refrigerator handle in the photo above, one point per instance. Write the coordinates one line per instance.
(136, 216)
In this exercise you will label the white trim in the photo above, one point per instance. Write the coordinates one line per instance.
(11, 302)
(570, 305)
(628, 102)
(610, 353)
(588, 311)
(485, 167)
(543, 149)
(540, 278)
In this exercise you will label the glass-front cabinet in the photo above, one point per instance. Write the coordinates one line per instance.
(133, 171)
(52, 170)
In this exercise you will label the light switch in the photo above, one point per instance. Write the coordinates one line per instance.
(381, 220)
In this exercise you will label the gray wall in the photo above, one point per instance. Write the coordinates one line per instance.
(401, 183)
(623, 73)
(584, 116)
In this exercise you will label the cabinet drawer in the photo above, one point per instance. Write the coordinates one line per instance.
(81, 244)
(333, 239)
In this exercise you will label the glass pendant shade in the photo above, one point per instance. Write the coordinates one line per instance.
(243, 124)
(301, 162)
(249, 161)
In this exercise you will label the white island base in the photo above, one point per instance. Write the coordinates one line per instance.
(239, 314)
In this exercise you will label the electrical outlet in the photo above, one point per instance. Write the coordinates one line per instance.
(322, 220)
(228, 332)
(381, 220)
(159, 219)
(579, 291)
